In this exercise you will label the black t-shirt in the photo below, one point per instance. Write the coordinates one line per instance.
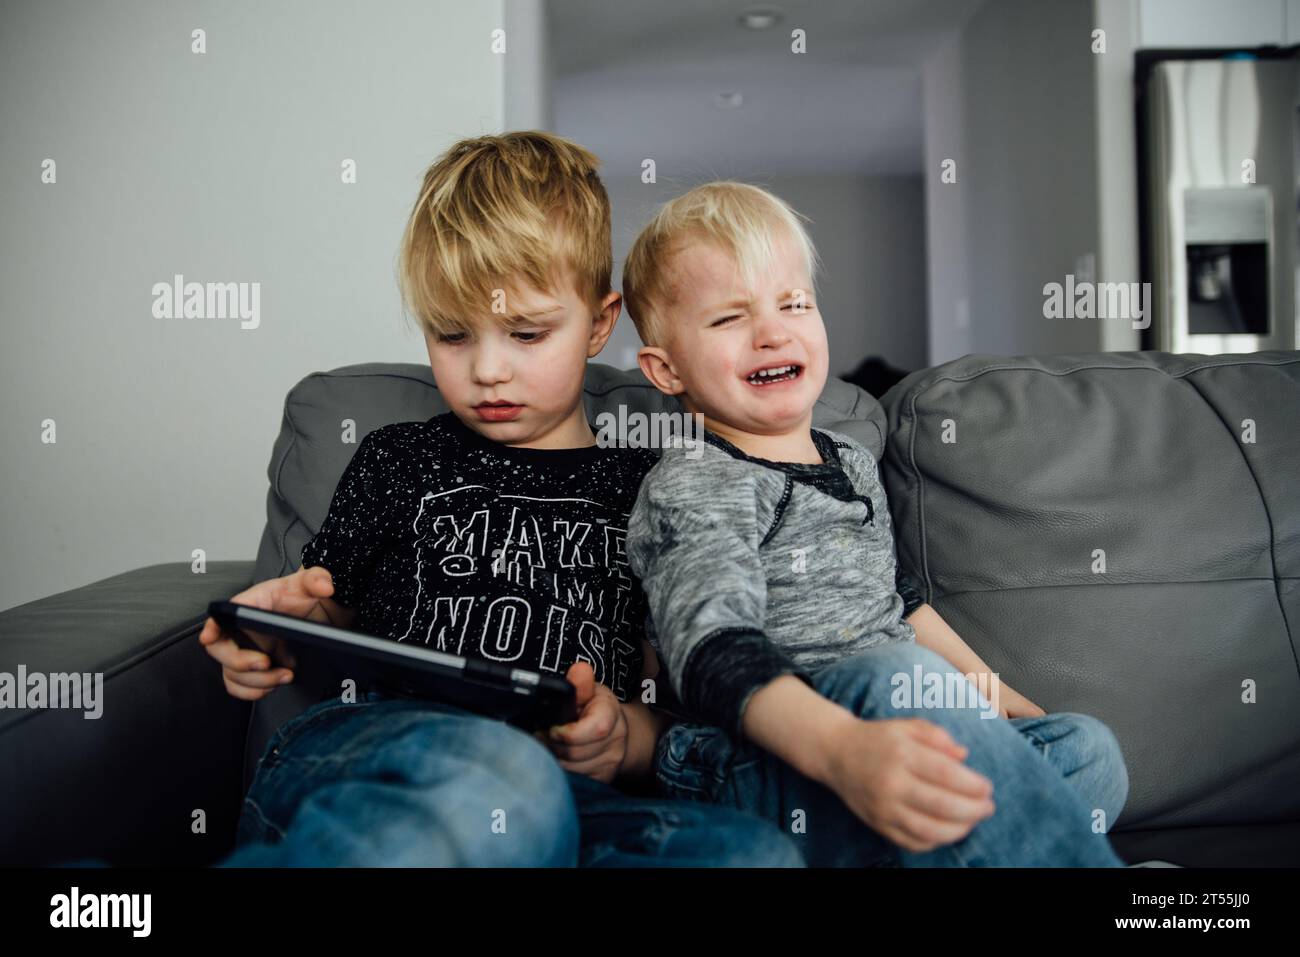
(438, 536)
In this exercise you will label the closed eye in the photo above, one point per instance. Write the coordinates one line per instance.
(718, 322)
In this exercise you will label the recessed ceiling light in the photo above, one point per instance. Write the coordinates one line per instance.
(760, 18)
(728, 100)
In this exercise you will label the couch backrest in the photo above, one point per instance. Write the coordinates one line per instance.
(1119, 534)
(309, 457)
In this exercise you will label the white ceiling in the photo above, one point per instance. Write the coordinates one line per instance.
(637, 80)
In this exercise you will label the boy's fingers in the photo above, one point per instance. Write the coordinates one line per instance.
(594, 724)
(210, 633)
(240, 689)
(930, 733)
(224, 650)
(570, 756)
(272, 649)
(581, 752)
(586, 768)
(243, 694)
(928, 831)
(319, 582)
(942, 804)
(940, 769)
(583, 678)
(583, 731)
(936, 736)
(232, 656)
(236, 690)
(258, 679)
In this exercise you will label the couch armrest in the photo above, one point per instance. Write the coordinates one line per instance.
(168, 741)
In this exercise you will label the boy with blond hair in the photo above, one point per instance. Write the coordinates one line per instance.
(769, 568)
(493, 531)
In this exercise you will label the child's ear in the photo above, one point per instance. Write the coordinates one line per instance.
(602, 323)
(656, 366)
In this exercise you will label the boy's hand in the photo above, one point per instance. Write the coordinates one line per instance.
(247, 673)
(596, 743)
(1016, 705)
(905, 778)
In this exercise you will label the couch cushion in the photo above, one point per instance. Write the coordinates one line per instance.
(123, 787)
(1228, 845)
(1010, 479)
(309, 457)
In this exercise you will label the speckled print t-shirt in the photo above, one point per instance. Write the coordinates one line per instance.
(438, 536)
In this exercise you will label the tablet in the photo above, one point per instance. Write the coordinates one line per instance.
(327, 655)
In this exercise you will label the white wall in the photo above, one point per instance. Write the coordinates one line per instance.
(223, 167)
(1218, 23)
(528, 74)
(947, 263)
(870, 234)
(1116, 144)
(1012, 102)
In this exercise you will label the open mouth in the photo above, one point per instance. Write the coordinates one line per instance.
(770, 376)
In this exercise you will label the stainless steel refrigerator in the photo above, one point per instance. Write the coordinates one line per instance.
(1222, 157)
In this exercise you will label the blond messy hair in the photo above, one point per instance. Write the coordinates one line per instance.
(495, 210)
(743, 219)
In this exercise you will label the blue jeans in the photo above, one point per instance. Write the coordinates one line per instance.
(391, 781)
(1051, 776)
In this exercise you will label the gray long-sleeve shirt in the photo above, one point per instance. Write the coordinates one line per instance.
(753, 569)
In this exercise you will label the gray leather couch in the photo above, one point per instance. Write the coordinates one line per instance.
(1010, 481)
